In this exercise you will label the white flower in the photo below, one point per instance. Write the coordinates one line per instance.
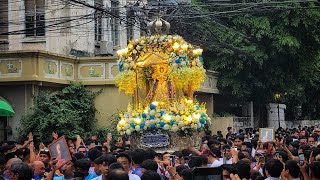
(199, 64)
(158, 114)
(130, 120)
(152, 112)
(174, 128)
(158, 125)
(142, 42)
(151, 37)
(145, 127)
(137, 128)
(121, 133)
(125, 65)
(181, 123)
(178, 118)
(166, 127)
(162, 38)
(128, 132)
(174, 65)
(147, 123)
(138, 48)
(134, 51)
(127, 126)
(157, 120)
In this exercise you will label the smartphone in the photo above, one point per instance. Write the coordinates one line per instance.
(224, 156)
(261, 160)
(172, 160)
(277, 155)
(301, 159)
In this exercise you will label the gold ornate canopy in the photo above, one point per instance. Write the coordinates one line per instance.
(161, 72)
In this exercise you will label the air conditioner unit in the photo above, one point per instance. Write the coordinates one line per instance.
(106, 47)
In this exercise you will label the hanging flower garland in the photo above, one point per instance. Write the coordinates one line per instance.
(185, 62)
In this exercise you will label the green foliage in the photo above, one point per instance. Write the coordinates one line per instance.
(261, 50)
(68, 112)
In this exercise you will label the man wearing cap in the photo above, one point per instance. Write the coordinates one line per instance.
(103, 162)
(44, 156)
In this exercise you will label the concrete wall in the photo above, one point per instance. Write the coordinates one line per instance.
(295, 124)
(273, 117)
(109, 102)
(221, 124)
(208, 99)
(20, 97)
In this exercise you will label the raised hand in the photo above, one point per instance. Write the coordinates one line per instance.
(55, 135)
(30, 137)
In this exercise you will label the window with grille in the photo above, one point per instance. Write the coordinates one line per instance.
(115, 22)
(35, 18)
(98, 21)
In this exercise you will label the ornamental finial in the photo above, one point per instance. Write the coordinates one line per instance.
(159, 26)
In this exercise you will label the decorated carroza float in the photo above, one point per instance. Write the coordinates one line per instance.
(161, 72)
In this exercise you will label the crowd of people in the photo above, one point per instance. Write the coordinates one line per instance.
(293, 154)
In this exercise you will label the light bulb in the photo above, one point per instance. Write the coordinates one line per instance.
(167, 117)
(175, 46)
(137, 120)
(155, 103)
(196, 116)
(189, 118)
(184, 47)
(122, 122)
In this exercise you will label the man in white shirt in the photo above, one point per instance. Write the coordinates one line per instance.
(227, 159)
(125, 160)
(214, 156)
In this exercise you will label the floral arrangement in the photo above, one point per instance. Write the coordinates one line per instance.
(185, 62)
(184, 72)
(185, 116)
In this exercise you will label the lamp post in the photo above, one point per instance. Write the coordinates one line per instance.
(277, 97)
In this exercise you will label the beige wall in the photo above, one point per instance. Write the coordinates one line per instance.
(108, 102)
(221, 124)
(208, 99)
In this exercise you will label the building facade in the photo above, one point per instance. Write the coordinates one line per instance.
(95, 27)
